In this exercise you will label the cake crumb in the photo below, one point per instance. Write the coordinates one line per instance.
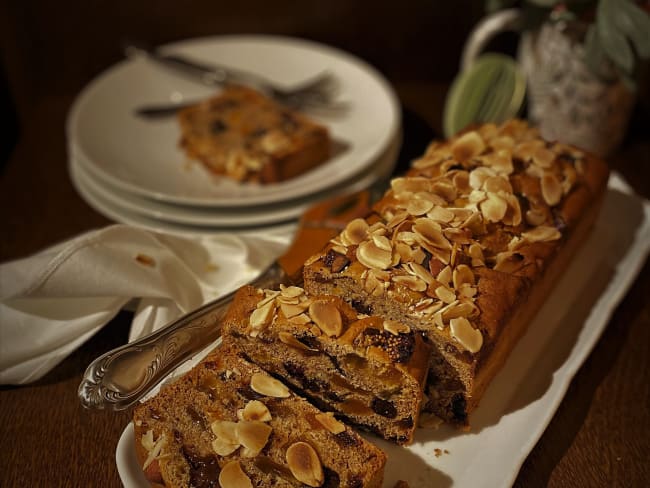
(145, 260)
(439, 452)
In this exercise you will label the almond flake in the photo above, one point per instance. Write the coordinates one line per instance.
(552, 190)
(535, 217)
(232, 476)
(411, 282)
(494, 208)
(304, 464)
(253, 435)
(262, 316)
(256, 410)
(542, 233)
(330, 423)
(462, 275)
(418, 206)
(470, 338)
(372, 256)
(327, 316)
(395, 327)
(356, 231)
(265, 385)
(467, 146)
(445, 294)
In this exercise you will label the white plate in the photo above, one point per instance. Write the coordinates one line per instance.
(524, 396)
(107, 208)
(122, 201)
(143, 157)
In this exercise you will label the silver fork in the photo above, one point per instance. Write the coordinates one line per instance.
(317, 93)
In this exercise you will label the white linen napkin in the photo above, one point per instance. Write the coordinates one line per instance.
(55, 300)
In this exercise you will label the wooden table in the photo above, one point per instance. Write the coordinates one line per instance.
(599, 436)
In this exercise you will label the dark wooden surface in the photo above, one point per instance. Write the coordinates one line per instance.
(599, 437)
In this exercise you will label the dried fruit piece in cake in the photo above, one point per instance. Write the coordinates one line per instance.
(367, 370)
(244, 135)
(229, 424)
(465, 248)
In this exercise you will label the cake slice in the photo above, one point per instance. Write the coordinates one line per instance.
(229, 424)
(367, 370)
(243, 135)
(465, 248)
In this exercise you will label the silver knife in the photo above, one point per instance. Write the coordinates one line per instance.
(119, 378)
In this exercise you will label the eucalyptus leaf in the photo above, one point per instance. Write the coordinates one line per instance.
(635, 22)
(595, 58)
(613, 42)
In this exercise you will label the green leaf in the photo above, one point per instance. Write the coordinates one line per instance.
(635, 23)
(613, 42)
(595, 58)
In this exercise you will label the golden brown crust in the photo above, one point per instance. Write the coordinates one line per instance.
(368, 370)
(496, 206)
(241, 134)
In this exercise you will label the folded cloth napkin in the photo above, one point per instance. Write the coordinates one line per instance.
(54, 301)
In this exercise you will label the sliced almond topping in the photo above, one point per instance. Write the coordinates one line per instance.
(543, 157)
(476, 252)
(223, 448)
(535, 217)
(502, 142)
(395, 327)
(467, 146)
(478, 176)
(225, 430)
(461, 181)
(327, 317)
(441, 214)
(495, 184)
(291, 291)
(420, 271)
(253, 435)
(232, 476)
(463, 275)
(290, 340)
(301, 319)
(445, 275)
(410, 184)
(304, 464)
(328, 421)
(256, 410)
(552, 190)
(411, 282)
(542, 233)
(445, 189)
(418, 206)
(356, 231)
(156, 448)
(470, 338)
(262, 316)
(290, 310)
(526, 150)
(265, 385)
(429, 231)
(513, 214)
(372, 256)
(494, 208)
(445, 294)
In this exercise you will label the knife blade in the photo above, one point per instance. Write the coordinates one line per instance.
(119, 378)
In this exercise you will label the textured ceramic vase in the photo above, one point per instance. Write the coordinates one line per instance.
(565, 99)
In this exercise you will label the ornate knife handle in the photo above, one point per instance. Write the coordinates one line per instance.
(119, 378)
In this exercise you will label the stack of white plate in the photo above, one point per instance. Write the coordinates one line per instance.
(132, 170)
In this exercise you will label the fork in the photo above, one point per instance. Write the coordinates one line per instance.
(316, 93)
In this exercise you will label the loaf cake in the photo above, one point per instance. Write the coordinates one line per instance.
(228, 424)
(464, 248)
(242, 134)
(368, 371)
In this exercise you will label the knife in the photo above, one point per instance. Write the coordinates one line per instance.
(119, 378)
